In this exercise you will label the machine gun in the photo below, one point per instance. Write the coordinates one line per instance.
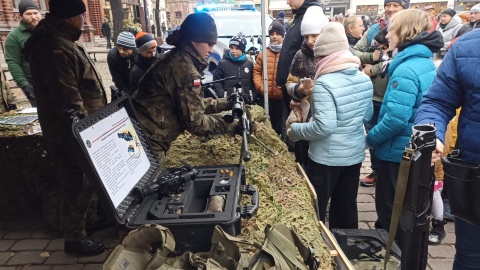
(169, 184)
(207, 89)
(413, 199)
(239, 114)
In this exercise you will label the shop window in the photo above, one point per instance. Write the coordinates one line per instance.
(466, 6)
(438, 7)
(369, 10)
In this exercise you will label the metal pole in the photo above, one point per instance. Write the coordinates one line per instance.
(145, 11)
(264, 60)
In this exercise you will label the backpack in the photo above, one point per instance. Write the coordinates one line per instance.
(278, 252)
(135, 252)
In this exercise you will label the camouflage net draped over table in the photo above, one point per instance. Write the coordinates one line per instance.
(284, 196)
(25, 169)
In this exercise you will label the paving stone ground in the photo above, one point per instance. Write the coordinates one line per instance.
(26, 244)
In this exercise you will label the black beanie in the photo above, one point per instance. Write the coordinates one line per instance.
(450, 12)
(64, 9)
(26, 5)
(199, 27)
(277, 26)
(239, 41)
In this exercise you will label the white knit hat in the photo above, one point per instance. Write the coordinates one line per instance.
(476, 8)
(332, 39)
(313, 21)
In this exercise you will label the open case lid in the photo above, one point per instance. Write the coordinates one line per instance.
(115, 155)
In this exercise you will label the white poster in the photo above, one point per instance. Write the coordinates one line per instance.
(117, 154)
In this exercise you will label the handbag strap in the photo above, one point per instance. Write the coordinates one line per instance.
(400, 191)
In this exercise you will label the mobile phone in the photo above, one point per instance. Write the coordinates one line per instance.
(306, 80)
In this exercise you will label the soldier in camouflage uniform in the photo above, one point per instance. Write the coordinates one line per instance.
(65, 78)
(168, 101)
(7, 100)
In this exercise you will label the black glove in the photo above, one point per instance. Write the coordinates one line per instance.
(12, 107)
(234, 128)
(28, 90)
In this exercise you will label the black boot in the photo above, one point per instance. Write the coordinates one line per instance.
(83, 247)
(437, 233)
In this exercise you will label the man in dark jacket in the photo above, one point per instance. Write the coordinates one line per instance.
(474, 21)
(121, 59)
(456, 85)
(64, 79)
(146, 55)
(107, 33)
(292, 43)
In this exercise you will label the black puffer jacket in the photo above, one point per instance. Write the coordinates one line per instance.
(291, 44)
(242, 70)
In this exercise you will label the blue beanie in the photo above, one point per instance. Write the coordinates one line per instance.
(127, 40)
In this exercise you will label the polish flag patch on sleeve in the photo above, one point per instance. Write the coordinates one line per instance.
(196, 82)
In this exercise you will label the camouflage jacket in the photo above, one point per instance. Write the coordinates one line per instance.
(168, 100)
(64, 77)
(6, 96)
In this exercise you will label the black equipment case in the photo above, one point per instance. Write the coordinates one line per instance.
(132, 188)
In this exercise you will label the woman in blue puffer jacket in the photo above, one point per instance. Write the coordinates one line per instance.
(411, 73)
(341, 103)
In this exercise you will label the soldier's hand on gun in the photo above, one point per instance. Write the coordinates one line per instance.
(235, 128)
(437, 153)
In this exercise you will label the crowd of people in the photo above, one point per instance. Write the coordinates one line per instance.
(335, 88)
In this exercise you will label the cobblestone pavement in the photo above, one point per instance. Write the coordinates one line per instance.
(26, 244)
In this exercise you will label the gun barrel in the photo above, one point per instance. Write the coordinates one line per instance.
(245, 152)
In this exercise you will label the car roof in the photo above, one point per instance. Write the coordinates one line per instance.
(225, 13)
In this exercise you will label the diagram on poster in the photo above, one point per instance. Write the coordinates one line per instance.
(117, 154)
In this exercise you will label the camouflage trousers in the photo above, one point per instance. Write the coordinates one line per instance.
(70, 197)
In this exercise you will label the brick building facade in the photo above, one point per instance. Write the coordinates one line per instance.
(10, 17)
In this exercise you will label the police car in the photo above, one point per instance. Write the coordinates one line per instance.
(231, 20)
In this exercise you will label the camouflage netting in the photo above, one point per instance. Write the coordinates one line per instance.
(284, 195)
(25, 169)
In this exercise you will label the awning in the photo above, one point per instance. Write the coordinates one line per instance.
(279, 5)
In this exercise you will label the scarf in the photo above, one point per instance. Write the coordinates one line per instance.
(238, 59)
(335, 62)
(275, 47)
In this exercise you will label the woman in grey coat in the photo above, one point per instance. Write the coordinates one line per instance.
(449, 25)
